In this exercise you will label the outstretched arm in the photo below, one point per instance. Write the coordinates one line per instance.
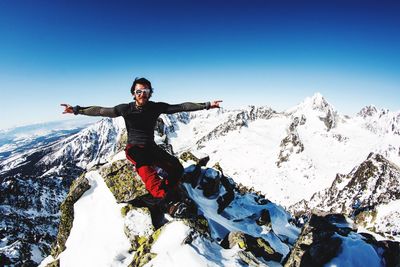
(90, 111)
(188, 106)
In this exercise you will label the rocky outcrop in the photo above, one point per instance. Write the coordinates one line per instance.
(143, 254)
(258, 247)
(200, 160)
(291, 143)
(330, 120)
(209, 180)
(324, 238)
(122, 180)
(367, 111)
(79, 186)
(318, 243)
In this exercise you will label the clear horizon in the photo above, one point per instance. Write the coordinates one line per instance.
(245, 53)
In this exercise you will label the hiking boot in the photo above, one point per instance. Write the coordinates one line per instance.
(178, 209)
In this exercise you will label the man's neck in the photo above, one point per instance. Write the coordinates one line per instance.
(141, 105)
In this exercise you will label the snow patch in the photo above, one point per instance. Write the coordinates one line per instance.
(97, 237)
(356, 252)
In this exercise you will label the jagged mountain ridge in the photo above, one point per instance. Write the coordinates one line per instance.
(236, 121)
(375, 181)
(23, 138)
(380, 121)
(88, 147)
(361, 194)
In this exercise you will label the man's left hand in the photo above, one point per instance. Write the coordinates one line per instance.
(215, 104)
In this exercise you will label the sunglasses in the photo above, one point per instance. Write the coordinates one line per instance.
(142, 91)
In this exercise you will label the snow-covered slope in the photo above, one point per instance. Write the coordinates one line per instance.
(97, 238)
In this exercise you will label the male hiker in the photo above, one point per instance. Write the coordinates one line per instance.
(140, 119)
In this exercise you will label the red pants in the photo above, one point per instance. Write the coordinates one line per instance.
(145, 158)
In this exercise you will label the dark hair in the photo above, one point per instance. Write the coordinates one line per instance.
(142, 81)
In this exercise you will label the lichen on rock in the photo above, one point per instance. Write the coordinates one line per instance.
(143, 254)
(123, 182)
(138, 226)
(78, 187)
(258, 246)
(55, 263)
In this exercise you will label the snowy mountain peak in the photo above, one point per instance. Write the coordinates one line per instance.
(314, 103)
(316, 108)
(318, 98)
(317, 102)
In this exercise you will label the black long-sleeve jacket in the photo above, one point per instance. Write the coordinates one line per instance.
(140, 120)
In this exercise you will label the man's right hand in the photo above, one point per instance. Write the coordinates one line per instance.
(68, 108)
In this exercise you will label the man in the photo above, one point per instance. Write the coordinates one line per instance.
(140, 119)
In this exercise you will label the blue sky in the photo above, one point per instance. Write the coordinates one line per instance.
(272, 53)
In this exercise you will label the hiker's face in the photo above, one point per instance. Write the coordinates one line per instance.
(141, 94)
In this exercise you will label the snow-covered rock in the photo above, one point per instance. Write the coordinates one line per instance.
(332, 240)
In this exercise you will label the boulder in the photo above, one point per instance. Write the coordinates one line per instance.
(258, 246)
